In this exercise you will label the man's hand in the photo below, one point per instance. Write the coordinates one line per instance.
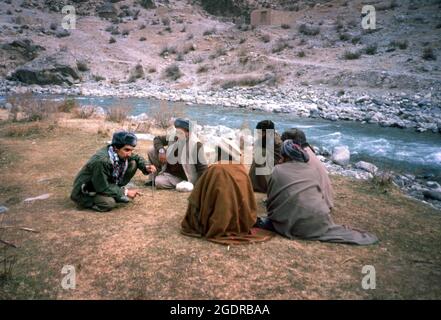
(151, 168)
(162, 158)
(132, 193)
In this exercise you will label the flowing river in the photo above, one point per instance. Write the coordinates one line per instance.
(400, 150)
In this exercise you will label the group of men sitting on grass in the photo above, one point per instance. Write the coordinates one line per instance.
(222, 206)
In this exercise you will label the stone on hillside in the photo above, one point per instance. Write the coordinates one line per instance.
(25, 47)
(107, 10)
(55, 69)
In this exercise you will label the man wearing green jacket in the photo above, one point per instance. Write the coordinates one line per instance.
(101, 182)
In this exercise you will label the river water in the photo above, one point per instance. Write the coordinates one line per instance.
(401, 150)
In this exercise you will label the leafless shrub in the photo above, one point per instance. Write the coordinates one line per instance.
(167, 50)
(209, 32)
(21, 130)
(247, 80)
(386, 5)
(165, 113)
(351, 55)
(136, 73)
(280, 45)
(203, 68)
(165, 21)
(198, 59)
(356, 39)
(68, 105)
(309, 30)
(84, 112)
(173, 72)
(220, 51)
(82, 66)
(401, 44)
(104, 132)
(118, 113)
(382, 181)
(265, 38)
(345, 36)
(180, 57)
(428, 54)
(370, 49)
(8, 257)
(27, 107)
(188, 47)
(143, 126)
(339, 24)
(98, 78)
(147, 4)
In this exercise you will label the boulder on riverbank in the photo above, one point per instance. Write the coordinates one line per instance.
(341, 155)
(55, 69)
(366, 166)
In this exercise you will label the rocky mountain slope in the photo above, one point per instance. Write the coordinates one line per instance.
(179, 45)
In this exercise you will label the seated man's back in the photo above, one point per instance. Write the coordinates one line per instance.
(222, 206)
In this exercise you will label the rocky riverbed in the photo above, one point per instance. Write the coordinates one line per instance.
(419, 111)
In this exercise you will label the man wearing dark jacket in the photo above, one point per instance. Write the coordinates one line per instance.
(101, 182)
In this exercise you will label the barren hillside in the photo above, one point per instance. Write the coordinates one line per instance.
(324, 45)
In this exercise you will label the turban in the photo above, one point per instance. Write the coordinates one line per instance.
(296, 135)
(294, 151)
(182, 123)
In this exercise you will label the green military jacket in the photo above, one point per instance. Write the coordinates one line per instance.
(97, 177)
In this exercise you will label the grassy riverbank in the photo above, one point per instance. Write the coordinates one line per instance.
(137, 251)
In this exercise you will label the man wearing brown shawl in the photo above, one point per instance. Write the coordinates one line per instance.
(222, 207)
(296, 205)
